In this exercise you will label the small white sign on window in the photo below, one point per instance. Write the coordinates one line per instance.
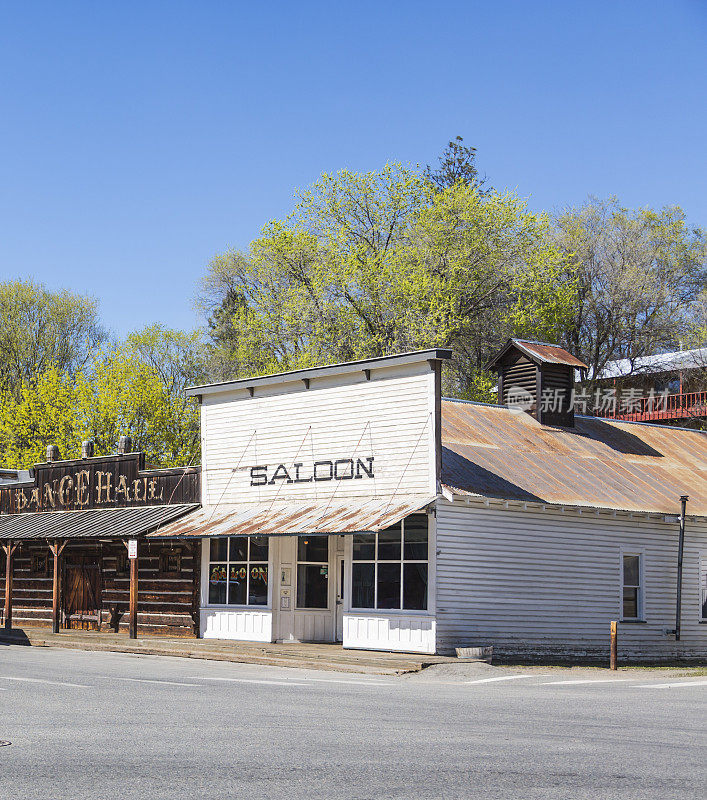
(132, 548)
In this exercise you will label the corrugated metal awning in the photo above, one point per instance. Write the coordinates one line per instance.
(104, 523)
(290, 518)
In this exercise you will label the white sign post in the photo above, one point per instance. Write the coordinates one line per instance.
(132, 548)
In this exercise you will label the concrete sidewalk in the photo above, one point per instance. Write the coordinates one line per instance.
(304, 656)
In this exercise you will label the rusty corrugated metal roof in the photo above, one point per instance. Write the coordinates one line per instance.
(292, 518)
(549, 353)
(492, 451)
(540, 352)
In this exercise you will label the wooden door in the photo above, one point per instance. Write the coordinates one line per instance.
(82, 591)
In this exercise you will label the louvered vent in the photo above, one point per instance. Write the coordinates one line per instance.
(538, 378)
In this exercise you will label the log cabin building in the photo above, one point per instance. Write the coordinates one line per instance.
(64, 531)
(352, 503)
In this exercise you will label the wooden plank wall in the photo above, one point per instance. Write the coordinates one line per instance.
(167, 603)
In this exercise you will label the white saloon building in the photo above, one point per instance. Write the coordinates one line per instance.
(352, 503)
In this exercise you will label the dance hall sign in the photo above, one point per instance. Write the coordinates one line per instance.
(81, 485)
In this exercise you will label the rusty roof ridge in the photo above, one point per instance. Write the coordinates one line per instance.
(475, 402)
(636, 422)
(577, 416)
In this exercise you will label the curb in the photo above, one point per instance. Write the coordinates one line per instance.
(294, 662)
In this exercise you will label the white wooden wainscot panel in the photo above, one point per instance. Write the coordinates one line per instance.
(314, 626)
(247, 626)
(406, 634)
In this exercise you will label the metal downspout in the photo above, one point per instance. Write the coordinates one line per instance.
(681, 547)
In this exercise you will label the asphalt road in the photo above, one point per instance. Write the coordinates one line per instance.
(113, 726)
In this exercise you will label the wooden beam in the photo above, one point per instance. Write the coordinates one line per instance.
(133, 599)
(57, 549)
(9, 549)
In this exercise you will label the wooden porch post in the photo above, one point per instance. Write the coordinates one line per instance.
(57, 549)
(132, 618)
(9, 549)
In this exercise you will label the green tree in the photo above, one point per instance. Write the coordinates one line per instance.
(377, 263)
(42, 412)
(39, 328)
(457, 164)
(639, 273)
(137, 388)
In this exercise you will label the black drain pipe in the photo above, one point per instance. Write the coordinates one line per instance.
(681, 547)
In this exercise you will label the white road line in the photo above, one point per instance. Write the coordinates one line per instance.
(669, 685)
(349, 683)
(39, 680)
(502, 678)
(243, 680)
(590, 680)
(147, 680)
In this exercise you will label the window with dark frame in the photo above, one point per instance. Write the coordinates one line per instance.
(632, 600)
(390, 568)
(171, 563)
(39, 565)
(238, 571)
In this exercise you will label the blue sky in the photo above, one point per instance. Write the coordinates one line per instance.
(138, 139)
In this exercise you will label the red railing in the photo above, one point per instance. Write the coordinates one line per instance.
(660, 406)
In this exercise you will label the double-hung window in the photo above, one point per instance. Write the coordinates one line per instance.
(390, 568)
(238, 571)
(632, 588)
(703, 586)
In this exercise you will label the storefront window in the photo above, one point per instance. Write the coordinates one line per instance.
(390, 568)
(313, 572)
(238, 571)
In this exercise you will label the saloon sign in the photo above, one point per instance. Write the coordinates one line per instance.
(339, 469)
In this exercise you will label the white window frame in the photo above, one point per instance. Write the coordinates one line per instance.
(237, 606)
(430, 561)
(702, 585)
(640, 552)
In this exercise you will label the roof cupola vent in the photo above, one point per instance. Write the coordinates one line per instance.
(538, 378)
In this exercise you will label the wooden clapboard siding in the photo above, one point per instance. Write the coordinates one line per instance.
(543, 583)
(390, 417)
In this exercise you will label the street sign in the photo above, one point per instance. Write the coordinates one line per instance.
(132, 548)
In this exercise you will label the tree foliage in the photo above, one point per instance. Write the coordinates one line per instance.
(133, 388)
(639, 275)
(457, 164)
(381, 262)
(39, 328)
